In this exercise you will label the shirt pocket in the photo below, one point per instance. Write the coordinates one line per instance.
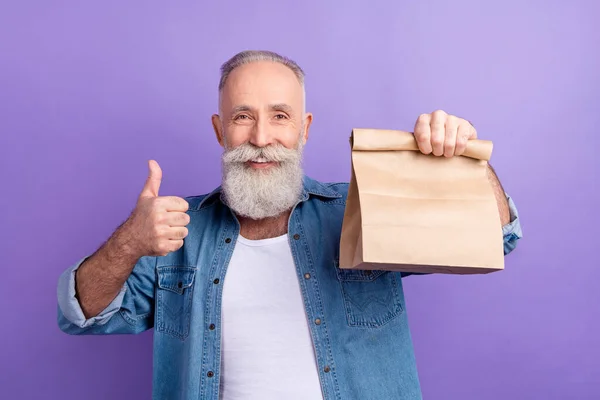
(371, 298)
(174, 300)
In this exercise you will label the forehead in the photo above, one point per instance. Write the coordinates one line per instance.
(261, 83)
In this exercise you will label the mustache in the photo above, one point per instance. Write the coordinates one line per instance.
(273, 153)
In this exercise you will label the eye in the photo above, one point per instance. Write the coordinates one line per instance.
(241, 116)
(280, 116)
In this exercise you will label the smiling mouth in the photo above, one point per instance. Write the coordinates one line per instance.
(260, 163)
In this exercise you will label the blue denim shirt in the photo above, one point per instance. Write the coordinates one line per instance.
(358, 319)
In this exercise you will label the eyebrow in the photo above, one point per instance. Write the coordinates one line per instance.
(241, 108)
(281, 107)
(273, 107)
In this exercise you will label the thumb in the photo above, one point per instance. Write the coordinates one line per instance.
(152, 185)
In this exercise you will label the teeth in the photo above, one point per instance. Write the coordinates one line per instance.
(260, 160)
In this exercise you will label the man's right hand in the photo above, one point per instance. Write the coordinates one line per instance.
(157, 225)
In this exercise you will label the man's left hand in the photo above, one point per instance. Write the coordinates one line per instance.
(443, 134)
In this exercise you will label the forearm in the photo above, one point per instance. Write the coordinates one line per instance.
(100, 278)
(500, 196)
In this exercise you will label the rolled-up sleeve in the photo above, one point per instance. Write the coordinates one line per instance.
(512, 231)
(130, 312)
(70, 306)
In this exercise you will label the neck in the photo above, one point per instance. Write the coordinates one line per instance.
(264, 228)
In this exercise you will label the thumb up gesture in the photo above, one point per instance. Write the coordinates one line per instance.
(158, 223)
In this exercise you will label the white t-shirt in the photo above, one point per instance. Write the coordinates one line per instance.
(267, 351)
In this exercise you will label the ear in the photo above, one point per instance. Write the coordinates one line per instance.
(308, 118)
(218, 127)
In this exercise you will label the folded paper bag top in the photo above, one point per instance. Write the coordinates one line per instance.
(411, 212)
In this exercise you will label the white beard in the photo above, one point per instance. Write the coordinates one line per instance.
(258, 194)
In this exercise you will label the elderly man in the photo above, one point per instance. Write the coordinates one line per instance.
(242, 285)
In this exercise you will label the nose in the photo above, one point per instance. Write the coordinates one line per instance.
(261, 135)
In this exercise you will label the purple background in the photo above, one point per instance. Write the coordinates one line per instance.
(89, 91)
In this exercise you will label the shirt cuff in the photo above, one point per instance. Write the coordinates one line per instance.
(70, 307)
(512, 231)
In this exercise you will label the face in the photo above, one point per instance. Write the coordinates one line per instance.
(262, 127)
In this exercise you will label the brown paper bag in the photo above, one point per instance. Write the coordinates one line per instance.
(407, 211)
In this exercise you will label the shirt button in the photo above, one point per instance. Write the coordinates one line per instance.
(216, 281)
(210, 374)
(179, 284)
(211, 327)
(318, 321)
(327, 369)
(307, 276)
(228, 240)
(296, 236)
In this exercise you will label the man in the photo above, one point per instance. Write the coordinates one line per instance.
(242, 286)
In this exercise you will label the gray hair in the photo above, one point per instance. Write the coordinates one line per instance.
(249, 56)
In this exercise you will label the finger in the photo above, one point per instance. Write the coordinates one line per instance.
(462, 137)
(153, 181)
(175, 245)
(473, 133)
(423, 133)
(173, 203)
(177, 233)
(176, 218)
(450, 136)
(438, 132)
